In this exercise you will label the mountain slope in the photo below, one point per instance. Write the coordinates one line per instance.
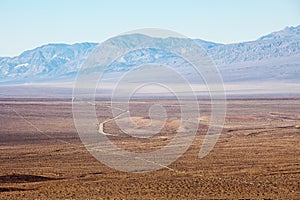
(284, 43)
(275, 57)
(48, 62)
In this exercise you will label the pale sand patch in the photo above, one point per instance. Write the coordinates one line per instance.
(169, 123)
(204, 118)
(141, 121)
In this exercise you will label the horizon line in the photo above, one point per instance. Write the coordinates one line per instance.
(98, 42)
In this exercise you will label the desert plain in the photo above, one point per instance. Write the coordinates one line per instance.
(256, 157)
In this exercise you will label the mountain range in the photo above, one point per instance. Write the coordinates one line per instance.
(273, 57)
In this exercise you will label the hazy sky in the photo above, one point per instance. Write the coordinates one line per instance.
(31, 23)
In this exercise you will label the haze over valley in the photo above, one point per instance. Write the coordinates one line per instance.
(268, 65)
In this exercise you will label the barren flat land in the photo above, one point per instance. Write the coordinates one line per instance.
(256, 157)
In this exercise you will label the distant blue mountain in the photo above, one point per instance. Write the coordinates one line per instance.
(46, 63)
(275, 56)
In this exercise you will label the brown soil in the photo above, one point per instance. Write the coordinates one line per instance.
(256, 157)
